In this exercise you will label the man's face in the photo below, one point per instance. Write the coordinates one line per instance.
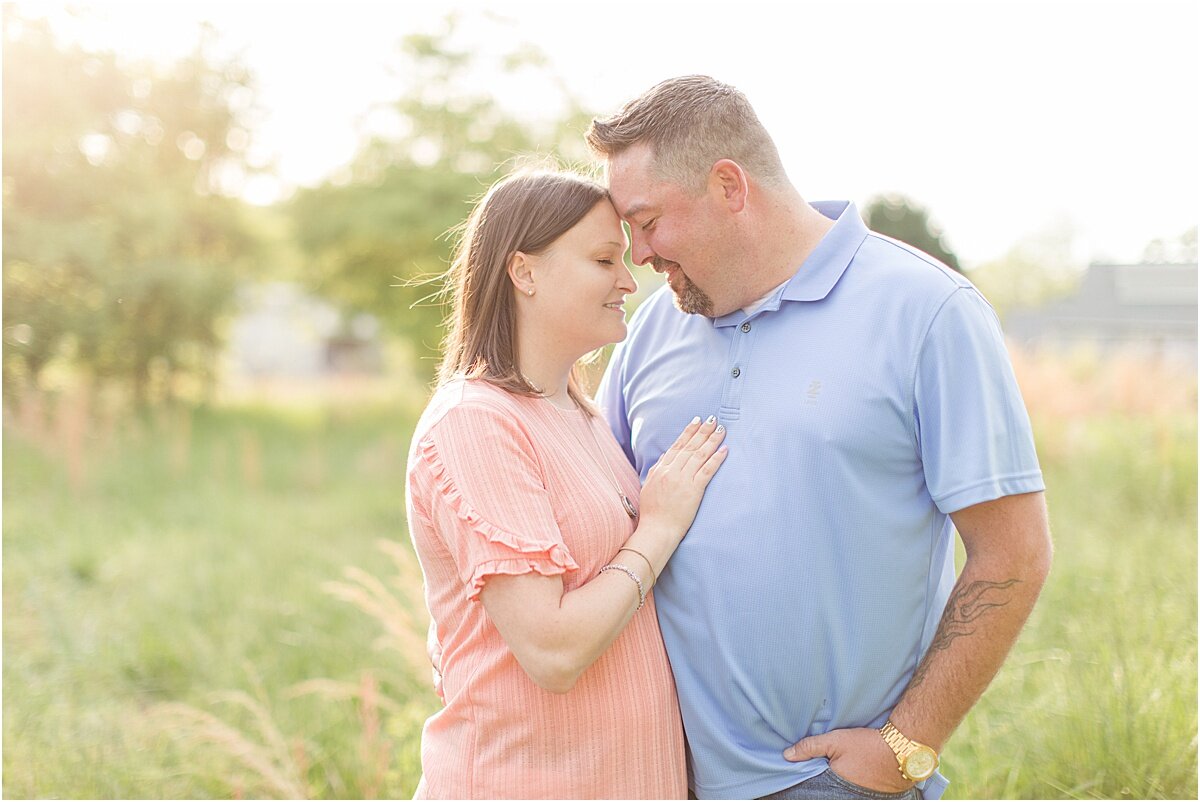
(672, 229)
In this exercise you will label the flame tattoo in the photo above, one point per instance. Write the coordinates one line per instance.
(966, 605)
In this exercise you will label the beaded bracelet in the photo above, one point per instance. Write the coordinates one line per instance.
(625, 569)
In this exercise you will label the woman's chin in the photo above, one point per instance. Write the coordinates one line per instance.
(619, 333)
(613, 332)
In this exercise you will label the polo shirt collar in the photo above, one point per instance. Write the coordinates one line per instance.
(829, 260)
(815, 278)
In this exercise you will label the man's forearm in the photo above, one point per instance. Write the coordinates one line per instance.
(982, 620)
(989, 605)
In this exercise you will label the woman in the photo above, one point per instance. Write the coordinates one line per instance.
(537, 548)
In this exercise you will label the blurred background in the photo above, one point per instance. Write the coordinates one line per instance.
(222, 231)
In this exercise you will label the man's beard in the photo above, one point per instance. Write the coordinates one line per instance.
(690, 298)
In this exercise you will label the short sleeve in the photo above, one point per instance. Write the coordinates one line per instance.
(489, 502)
(973, 431)
(610, 397)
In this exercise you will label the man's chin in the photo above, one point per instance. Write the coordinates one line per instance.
(692, 300)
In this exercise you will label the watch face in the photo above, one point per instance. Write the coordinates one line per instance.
(921, 763)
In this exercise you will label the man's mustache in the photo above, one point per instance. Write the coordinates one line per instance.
(661, 265)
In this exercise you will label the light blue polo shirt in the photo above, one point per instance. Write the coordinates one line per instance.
(869, 397)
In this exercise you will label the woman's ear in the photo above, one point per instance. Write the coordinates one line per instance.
(520, 272)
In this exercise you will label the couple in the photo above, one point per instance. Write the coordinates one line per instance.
(839, 401)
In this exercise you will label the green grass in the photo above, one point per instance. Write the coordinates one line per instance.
(190, 561)
(170, 578)
(1098, 699)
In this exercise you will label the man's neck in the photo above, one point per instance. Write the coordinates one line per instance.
(790, 232)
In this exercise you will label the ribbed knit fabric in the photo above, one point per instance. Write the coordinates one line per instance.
(501, 484)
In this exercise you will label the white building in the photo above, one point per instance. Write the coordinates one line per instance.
(280, 331)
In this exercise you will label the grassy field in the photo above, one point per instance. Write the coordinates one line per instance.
(178, 621)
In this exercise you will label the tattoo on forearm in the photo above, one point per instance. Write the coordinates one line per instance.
(966, 605)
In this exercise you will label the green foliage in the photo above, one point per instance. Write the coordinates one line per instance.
(906, 220)
(1038, 268)
(377, 238)
(120, 253)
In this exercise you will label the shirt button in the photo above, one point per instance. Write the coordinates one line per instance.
(745, 327)
(736, 372)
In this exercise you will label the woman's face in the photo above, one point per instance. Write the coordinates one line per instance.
(580, 283)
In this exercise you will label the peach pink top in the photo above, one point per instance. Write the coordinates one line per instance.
(503, 484)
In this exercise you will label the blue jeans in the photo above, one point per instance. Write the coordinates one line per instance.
(830, 786)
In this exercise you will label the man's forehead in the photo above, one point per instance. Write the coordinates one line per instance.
(633, 163)
(630, 184)
(628, 197)
(633, 183)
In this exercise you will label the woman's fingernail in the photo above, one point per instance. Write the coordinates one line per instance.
(711, 418)
(695, 420)
(721, 428)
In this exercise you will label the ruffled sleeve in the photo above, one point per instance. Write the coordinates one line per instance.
(488, 501)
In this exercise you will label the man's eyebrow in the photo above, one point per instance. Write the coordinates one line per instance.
(635, 210)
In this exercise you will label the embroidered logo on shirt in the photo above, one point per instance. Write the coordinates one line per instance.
(814, 390)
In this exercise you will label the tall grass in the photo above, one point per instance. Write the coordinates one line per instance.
(184, 558)
(196, 603)
(1098, 699)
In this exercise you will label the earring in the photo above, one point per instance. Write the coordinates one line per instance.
(530, 292)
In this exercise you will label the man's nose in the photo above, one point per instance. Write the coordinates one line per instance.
(626, 283)
(640, 252)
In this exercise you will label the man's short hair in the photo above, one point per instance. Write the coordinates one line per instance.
(690, 123)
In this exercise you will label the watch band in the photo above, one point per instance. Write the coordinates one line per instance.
(895, 739)
(915, 760)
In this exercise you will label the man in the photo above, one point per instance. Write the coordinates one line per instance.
(821, 644)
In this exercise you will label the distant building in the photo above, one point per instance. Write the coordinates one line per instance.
(280, 331)
(1144, 308)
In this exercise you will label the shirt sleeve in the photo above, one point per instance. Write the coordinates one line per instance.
(490, 504)
(610, 397)
(972, 429)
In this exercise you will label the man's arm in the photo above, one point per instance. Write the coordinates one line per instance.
(1008, 550)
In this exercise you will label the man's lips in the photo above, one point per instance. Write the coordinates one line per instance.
(663, 266)
(671, 269)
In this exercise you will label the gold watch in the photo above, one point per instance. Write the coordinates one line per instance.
(917, 761)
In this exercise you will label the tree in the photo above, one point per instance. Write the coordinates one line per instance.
(377, 238)
(1039, 267)
(901, 218)
(1180, 250)
(120, 250)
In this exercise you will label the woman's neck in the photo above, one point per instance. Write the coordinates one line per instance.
(548, 373)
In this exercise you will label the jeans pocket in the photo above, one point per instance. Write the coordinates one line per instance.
(862, 792)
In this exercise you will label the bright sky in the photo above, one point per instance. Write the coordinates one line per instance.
(1005, 119)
